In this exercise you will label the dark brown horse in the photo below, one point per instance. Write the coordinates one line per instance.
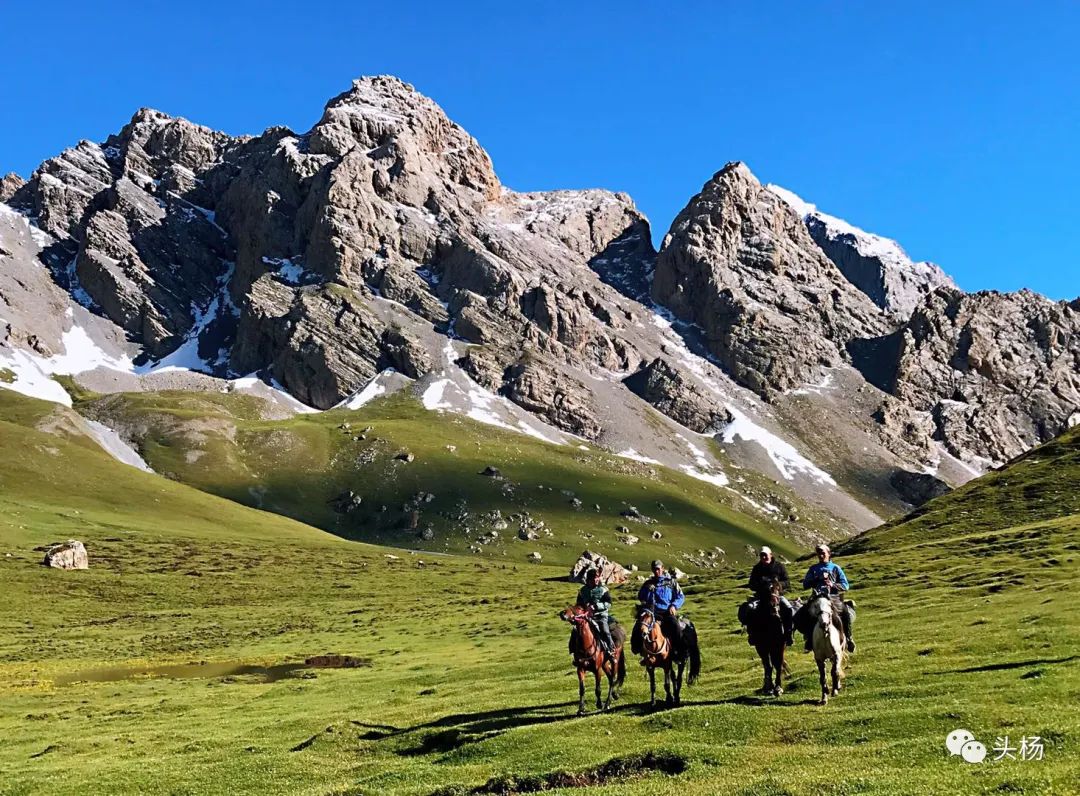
(657, 652)
(589, 657)
(767, 628)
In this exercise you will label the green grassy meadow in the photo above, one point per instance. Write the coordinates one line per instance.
(965, 620)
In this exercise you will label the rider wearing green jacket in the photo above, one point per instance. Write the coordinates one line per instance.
(595, 596)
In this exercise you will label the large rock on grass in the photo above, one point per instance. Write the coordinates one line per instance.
(67, 555)
(610, 572)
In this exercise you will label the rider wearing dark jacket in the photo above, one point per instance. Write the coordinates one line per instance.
(765, 572)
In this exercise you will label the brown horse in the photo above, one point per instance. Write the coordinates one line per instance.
(657, 653)
(589, 656)
(767, 629)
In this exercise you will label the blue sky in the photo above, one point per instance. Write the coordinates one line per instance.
(955, 130)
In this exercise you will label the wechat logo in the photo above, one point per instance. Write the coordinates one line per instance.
(963, 743)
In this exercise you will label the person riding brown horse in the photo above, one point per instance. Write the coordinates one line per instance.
(595, 596)
(589, 656)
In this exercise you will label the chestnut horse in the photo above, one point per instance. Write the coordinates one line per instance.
(589, 657)
(657, 653)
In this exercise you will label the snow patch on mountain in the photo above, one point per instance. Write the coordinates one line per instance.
(114, 445)
(783, 454)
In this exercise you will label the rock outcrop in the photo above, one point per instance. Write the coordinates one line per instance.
(997, 372)
(917, 488)
(667, 390)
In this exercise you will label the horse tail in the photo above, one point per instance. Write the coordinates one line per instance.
(621, 670)
(695, 657)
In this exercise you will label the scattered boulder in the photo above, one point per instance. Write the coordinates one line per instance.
(575, 503)
(629, 539)
(632, 513)
(657, 536)
(67, 555)
(405, 456)
(610, 572)
(427, 534)
(347, 501)
(491, 472)
(527, 535)
(678, 573)
(535, 557)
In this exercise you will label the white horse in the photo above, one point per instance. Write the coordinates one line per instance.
(829, 645)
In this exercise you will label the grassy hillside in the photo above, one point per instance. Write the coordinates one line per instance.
(469, 680)
(308, 467)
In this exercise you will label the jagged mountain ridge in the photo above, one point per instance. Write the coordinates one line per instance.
(380, 247)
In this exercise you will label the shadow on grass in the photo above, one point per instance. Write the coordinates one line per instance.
(997, 667)
(452, 732)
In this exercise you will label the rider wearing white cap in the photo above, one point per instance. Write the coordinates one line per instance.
(766, 572)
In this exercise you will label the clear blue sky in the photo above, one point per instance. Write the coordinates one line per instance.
(952, 127)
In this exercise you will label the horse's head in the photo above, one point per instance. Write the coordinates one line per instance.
(574, 614)
(824, 612)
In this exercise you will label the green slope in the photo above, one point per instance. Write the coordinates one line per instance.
(302, 466)
(967, 623)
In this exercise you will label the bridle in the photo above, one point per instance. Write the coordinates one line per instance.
(647, 626)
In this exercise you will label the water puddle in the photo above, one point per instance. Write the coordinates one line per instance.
(197, 671)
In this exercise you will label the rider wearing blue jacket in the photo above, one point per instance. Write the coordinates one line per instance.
(662, 595)
(829, 578)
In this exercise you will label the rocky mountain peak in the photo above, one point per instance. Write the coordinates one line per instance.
(390, 120)
(739, 263)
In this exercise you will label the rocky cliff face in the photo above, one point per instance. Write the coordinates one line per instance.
(739, 263)
(379, 248)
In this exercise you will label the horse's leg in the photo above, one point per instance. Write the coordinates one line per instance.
(581, 691)
(610, 685)
(667, 681)
(821, 679)
(678, 683)
(778, 666)
(836, 674)
(766, 683)
(599, 700)
(652, 686)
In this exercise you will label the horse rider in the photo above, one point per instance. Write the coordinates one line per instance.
(826, 577)
(766, 572)
(662, 595)
(595, 596)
